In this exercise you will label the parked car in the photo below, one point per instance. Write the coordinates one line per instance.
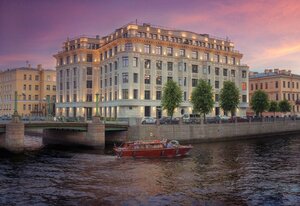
(148, 120)
(167, 120)
(238, 119)
(191, 118)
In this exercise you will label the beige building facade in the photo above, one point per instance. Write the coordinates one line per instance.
(279, 85)
(35, 87)
(135, 61)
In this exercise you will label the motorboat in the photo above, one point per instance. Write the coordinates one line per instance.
(152, 148)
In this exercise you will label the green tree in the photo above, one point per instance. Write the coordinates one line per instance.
(229, 97)
(284, 106)
(202, 98)
(259, 102)
(171, 97)
(273, 107)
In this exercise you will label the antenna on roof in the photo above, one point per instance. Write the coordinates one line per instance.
(136, 22)
(27, 63)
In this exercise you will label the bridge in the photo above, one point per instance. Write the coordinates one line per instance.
(92, 134)
(74, 126)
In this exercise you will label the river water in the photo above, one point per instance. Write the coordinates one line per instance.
(250, 172)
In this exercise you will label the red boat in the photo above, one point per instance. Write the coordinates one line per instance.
(154, 148)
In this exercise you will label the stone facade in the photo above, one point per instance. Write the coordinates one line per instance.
(132, 64)
(33, 86)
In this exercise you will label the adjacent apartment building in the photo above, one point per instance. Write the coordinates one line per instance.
(35, 87)
(130, 66)
(278, 84)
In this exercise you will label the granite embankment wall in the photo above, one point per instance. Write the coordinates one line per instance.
(213, 132)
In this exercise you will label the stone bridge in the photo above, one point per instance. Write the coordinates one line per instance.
(92, 134)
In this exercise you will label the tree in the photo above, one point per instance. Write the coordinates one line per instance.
(259, 102)
(202, 98)
(171, 97)
(284, 106)
(273, 107)
(229, 97)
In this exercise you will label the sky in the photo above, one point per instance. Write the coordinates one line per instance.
(266, 32)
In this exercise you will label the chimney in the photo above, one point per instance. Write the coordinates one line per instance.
(39, 67)
(276, 71)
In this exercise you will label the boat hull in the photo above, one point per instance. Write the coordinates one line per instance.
(160, 152)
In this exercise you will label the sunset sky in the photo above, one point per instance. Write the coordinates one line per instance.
(267, 32)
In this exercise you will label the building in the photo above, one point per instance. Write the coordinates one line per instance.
(35, 87)
(278, 84)
(136, 60)
(77, 77)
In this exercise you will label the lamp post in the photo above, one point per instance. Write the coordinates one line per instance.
(16, 104)
(97, 104)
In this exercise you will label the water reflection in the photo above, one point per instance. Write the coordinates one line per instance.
(252, 172)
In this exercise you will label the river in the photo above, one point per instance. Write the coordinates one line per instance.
(249, 172)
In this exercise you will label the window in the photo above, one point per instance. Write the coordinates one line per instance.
(158, 80)
(24, 87)
(30, 77)
(194, 82)
(180, 66)
(147, 64)
(158, 64)
(128, 47)
(217, 58)
(182, 52)
(29, 97)
(217, 71)
(159, 50)
(89, 97)
(54, 88)
(147, 48)
(89, 57)
(116, 65)
(244, 74)
(283, 84)
(206, 56)
(170, 66)
(251, 86)
(184, 96)
(89, 71)
(147, 94)
(266, 85)
(124, 93)
(36, 87)
(75, 58)
(225, 71)
(89, 84)
(261, 85)
(68, 72)
(125, 61)
(36, 97)
(116, 80)
(217, 84)
(289, 84)
(48, 87)
(169, 51)
(194, 55)
(74, 97)
(194, 68)
(276, 84)
(244, 86)
(147, 79)
(158, 95)
(25, 77)
(184, 81)
(37, 78)
(135, 61)
(135, 94)
(277, 97)
(232, 73)
(244, 98)
(135, 78)
(125, 77)
(216, 97)
(68, 60)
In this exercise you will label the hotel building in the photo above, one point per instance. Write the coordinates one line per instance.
(133, 63)
(278, 84)
(36, 90)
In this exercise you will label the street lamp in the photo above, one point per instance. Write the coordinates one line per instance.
(97, 104)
